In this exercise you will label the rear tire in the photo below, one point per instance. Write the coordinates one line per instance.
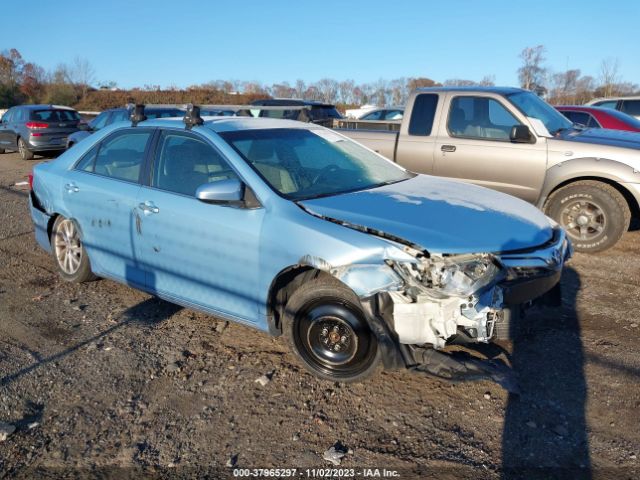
(24, 151)
(2, 150)
(328, 332)
(68, 252)
(594, 214)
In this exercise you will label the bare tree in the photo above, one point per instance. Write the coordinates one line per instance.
(82, 74)
(328, 89)
(300, 89)
(532, 72)
(282, 90)
(487, 81)
(609, 76)
(345, 91)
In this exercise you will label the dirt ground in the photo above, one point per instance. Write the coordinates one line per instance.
(100, 380)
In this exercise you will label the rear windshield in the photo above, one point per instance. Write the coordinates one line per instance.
(51, 115)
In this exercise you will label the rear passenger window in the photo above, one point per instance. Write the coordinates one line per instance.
(87, 162)
(184, 163)
(121, 155)
(423, 113)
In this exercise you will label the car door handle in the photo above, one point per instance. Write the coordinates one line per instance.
(148, 208)
(71, 188)
(448, 148)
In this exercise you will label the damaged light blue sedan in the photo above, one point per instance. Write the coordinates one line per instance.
(292, 228)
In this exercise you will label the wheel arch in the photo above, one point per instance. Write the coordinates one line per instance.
(287, 281)
(632, 202)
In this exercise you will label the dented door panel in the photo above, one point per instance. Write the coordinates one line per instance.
(202, 254)
(104, 209)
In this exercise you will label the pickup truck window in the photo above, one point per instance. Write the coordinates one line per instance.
(531, 105)
(301, 164)
(424, 110)
(480, 117)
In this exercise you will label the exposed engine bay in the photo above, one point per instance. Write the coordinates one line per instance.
(445, 294)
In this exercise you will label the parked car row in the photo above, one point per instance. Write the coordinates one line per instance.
(593, 196)
(107, 117)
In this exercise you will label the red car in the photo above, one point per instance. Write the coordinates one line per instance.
(599, 117)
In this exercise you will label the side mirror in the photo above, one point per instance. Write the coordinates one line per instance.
(229, 192)
(520, 134)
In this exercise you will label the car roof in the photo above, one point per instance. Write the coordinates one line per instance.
(228, 124)
(611, 99)
(147, 109)
(497, 90)
(43, 106)
(276, 102)
(583, 108)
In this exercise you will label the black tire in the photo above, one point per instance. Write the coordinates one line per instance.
(24, 151)
(69, 254)
(594, 214)
(69, 145)
(328, 332)
(2, 150)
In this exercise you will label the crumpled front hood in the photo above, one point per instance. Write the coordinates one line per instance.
(440, 215)
(603, 136)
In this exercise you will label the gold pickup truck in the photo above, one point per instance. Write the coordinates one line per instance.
(509, 139)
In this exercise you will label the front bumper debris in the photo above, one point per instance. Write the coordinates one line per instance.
(431, 318)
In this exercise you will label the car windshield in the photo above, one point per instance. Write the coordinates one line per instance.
(533, 106)
(308, 163)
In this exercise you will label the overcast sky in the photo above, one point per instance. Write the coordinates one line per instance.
(185, 42)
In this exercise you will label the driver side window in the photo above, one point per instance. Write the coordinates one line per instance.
(480, 117)
(184, 162)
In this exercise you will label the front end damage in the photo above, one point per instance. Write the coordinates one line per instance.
(420, 303)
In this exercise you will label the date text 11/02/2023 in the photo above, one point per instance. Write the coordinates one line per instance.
(315, 473)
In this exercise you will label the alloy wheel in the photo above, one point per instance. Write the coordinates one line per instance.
(68, 249)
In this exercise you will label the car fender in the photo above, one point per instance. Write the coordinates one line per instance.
(587, 168)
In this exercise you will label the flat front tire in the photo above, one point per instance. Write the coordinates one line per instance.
(594, 214)
(24, 151)
(328, 332)
(69, 253)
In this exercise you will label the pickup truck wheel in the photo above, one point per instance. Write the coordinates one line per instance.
(594, 214)
(24, 151)
(327, 330)
(69, 253)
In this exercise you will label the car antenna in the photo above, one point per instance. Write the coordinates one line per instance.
(192, 117)
(138, 115)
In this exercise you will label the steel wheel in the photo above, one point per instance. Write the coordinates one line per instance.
(333, 339)
(67, 247)
(583, 219)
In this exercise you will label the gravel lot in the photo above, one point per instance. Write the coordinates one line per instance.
(100, 379)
